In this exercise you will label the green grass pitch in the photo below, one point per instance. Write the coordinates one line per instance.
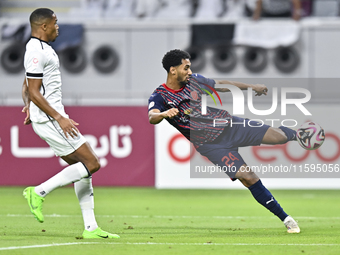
(152, 221)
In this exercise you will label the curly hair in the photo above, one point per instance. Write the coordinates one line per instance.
(41, 14)
(174, 58)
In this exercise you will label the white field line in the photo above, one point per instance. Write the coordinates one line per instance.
(173, 216)
(39, 246)
(170, 244)
(232, 244)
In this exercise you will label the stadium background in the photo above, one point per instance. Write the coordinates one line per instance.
(111, 65)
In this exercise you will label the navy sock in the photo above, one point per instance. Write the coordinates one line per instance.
(290, 133)
(265, 198)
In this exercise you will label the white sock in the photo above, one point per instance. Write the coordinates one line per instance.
(84, 192)
(68, 175)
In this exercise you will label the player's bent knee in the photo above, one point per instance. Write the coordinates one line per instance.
(247, 182)
(246, 176)
(93, 166)
(96, 166)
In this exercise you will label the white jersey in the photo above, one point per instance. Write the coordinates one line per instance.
(41, 62)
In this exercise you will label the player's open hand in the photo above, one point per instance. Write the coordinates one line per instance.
(26, 110)
(69, 127)
(171, 113)
(260, 89)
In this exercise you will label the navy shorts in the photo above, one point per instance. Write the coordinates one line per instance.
(224, 150)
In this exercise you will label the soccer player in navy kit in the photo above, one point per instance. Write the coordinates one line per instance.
(42, 96)
(178, 101)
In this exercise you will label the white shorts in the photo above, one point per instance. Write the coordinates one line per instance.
(52, 133)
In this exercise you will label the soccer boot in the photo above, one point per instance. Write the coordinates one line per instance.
(35, 203)
(98, 233)
(291, 225)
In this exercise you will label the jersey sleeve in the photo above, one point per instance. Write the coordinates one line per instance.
(34, 65)
(156, 101)
(205, 83)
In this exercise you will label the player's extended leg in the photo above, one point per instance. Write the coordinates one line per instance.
(262, 195)
(279, 135)
(36, 195)
(73, 173)
(82, 163)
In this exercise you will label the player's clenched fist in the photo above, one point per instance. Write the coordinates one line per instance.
(260, 89)
(171, 113)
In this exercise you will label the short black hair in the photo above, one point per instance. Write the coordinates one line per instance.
(41, 14)
(174, 58)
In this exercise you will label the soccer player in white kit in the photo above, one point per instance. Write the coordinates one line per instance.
(42, 96)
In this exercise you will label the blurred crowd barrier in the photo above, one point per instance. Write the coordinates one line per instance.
(119, 63)
(175, 9)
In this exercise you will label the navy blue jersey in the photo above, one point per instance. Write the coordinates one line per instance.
(197, 128)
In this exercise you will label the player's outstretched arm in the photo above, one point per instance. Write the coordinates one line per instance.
(258, 88)
(156, 116)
